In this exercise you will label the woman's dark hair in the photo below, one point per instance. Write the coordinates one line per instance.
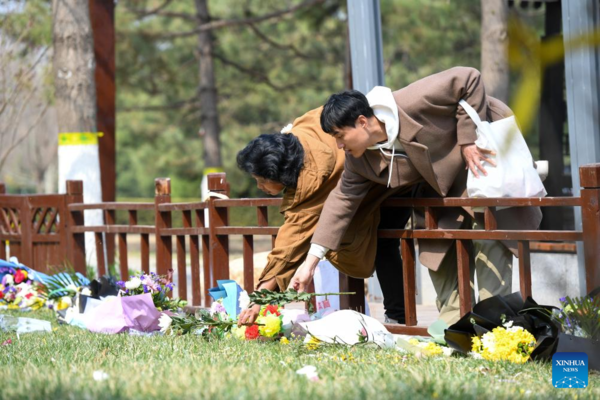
(343, 109)
(278, 157)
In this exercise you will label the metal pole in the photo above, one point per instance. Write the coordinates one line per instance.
(582, 71)
(366, 54)
(366, 49)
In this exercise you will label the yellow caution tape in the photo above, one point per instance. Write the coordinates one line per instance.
(78, 138)
(213, 170)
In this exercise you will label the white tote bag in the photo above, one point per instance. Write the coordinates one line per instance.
(515, 174)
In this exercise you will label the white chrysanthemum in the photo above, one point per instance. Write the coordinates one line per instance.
(133, 283)
(489, 342)
(244, 300)
(287, 128)
(447, 351)
(164, 322)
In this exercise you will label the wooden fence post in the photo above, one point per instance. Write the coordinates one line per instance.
(407, 247)
(75, 241)
(589, 176)
(164, 244)
(354, 301)
(2, 242)
(217, 217)
(464, 277)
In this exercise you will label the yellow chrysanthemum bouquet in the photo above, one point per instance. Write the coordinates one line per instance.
(508, 342)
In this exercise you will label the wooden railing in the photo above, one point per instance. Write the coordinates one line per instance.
(206, 230)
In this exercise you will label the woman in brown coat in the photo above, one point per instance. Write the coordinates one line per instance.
(307, 165)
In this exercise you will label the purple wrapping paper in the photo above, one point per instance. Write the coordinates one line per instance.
(124, 313)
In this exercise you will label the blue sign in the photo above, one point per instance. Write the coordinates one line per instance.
(570, 370)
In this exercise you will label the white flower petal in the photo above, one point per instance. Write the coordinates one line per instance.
(307, 369)
(244, 300)
(164, 322)
(133, 283)
(100, 375)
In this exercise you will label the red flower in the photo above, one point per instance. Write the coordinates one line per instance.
(20, 276)
(28, 295)
(252, 332)
(7, 342)
(271, 308)
(1, 295)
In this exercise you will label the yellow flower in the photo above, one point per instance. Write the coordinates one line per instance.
(432, 349)
(269, 326)
(429, 348)
(313, 343)
(513, 344)
(284, 340)
(37, 304)
(476, 344)
(63, 303)
(239, 332)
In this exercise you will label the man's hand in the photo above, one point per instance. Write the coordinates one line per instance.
(304, 274)
(473, 157)
(249, 315)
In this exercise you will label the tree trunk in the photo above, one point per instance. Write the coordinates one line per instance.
(494, 48)
(209, 115)
(74, 64)
(75, 94)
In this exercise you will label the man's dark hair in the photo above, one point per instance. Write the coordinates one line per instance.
(342, 110)
(278, 157)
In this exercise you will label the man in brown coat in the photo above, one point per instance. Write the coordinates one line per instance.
(306, 163)
(418, 135)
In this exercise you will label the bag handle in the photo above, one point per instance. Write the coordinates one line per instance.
(471, 111)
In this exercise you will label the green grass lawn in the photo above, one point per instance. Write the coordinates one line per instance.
(60, 365)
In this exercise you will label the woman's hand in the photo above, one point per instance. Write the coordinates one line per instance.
(249, 315)
(304, 275)
(474, 155)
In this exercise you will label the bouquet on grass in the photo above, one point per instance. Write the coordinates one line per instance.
(580, 316)
(217, 324)
(62, 290)
(579, 319)
(19, 292)
(506, 328)
(158, 286)
(507, 342)
(229, 299)
(268, 325)
(213, 323)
